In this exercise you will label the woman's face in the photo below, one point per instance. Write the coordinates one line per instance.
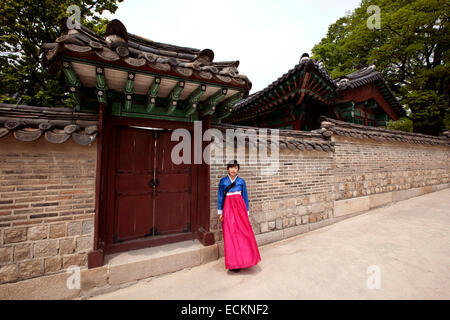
(232, 171)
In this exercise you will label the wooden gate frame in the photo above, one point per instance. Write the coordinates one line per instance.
(200, 218)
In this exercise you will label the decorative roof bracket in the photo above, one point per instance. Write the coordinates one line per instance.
(174, 96)
(194, 99)
(74, 84)
(153, 93)
(210, 105)
(128, 89)
(101, 85)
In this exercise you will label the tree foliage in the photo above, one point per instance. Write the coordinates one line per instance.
(25, 26)
(411, 49)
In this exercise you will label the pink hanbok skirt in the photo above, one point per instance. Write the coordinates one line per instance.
(241, 249)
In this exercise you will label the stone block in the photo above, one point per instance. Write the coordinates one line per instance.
(66, 246)
(45, 248)
(37, 232)
(317, 207)
(15, 235)
(279, 224)
(209, 253)
(58, 230)
(32, 268)
(51, 287)
(7, 273)
(405, 194)
(74, 228)
(87, 227)
(85, 244)
(52, 264)
(5, 255)
(320, 224)
(96, 277)
(305, 219)
(269, 237)
(293, 231)
(264, 227)
(348, 206)
(79, 260)
(123, 273)
(22, 252)
(379, 199)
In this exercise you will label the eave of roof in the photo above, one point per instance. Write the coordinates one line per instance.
(366, 76)
(305, 63)
(135, 51)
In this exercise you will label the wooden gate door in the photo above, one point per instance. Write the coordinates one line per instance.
(174, 196)
(153, 196)
(135, 156)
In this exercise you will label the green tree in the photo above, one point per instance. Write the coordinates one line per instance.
(25, 26)
(402, 124)
(411, 49)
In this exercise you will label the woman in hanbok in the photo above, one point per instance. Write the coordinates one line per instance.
(241, 249)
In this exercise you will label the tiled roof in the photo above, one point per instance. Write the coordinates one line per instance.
(286, 139)
(366, 76)
(136, 51)
(347, 129)
(58, 125)
(318, 66)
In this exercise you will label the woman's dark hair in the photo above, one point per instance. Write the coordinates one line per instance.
(232, 164)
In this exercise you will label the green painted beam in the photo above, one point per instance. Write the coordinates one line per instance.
(128, 90)
(224, 108)
(74, 84)
(347, 106)
(173, 98)
(102, 87)
(371, 104)
(209, 106)
(193, 100)
(152, 94)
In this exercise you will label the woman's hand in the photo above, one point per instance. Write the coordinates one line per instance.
(221, 217)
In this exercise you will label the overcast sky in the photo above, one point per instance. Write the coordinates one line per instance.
(267, 37)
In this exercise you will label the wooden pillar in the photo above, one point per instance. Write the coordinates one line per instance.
(205, 236)
(95, 257)
(296, 124)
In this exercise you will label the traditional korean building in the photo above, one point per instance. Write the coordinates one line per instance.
(141, 91)
(297, 99)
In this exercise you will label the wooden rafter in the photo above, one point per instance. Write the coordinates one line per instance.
(128, 90)
(210, 105)
(74, 84)
(101, 85)
(152, 94)
(193, 100)
(225, 108)
(174, 96)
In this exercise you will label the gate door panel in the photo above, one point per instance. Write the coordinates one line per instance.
(174, 189)
(133, 190)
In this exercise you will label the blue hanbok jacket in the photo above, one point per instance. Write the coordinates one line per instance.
(239, 187)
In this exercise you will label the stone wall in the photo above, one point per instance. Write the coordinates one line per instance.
(296, 198)
(47, 200)
(366, 168)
